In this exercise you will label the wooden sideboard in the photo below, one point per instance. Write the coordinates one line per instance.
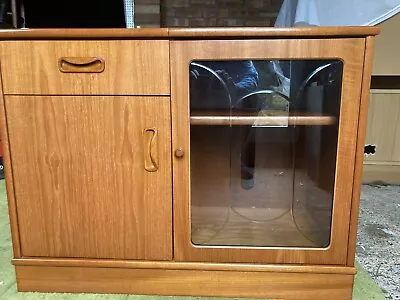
(118, 183)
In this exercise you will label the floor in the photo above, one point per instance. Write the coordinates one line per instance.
(378, 243)
(377, 236)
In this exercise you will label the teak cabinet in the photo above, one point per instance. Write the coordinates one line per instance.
(211, 162)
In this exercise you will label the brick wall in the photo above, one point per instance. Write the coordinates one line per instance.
(147, 13)
(199, 13)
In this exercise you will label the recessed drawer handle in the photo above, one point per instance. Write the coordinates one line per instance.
(150, 150)
(81, 64)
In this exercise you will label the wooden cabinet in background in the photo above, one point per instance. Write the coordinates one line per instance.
(383, 132)
(135, 165)
(383, 129)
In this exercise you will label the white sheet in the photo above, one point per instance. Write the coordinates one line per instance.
(129, 6)
(336, 12)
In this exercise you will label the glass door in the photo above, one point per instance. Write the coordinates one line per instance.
(263, 140)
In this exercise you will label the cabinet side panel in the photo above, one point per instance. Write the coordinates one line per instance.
(12, 209)
(362, 128)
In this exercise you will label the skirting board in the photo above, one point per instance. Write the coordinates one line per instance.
(277, 285)
(381, 173)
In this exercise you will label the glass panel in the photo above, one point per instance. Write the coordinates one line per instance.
(263, 151)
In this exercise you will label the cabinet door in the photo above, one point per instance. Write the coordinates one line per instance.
(92, 175)
(383, 132)
(270, 130)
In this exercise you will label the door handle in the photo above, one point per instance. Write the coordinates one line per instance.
(81, 64)
(150, 149)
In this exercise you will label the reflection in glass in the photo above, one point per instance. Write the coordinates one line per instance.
(263, 151)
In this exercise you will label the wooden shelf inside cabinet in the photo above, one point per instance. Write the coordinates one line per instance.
(224, 119)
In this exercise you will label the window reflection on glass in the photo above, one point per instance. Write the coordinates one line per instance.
(263, 151)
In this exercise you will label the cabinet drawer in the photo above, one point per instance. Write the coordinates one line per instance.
(86, 67)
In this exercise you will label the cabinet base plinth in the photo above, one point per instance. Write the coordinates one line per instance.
(281, 285)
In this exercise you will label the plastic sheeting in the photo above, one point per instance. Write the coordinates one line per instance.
(129, 13)
(336, 13)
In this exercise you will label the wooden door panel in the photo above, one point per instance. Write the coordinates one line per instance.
(383, 128)
(351, 53)
(80, 183)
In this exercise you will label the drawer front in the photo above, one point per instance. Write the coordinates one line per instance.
(86, 67)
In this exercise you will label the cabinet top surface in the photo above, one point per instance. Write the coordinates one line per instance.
(188, 33)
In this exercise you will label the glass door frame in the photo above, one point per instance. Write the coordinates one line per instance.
(351, 53)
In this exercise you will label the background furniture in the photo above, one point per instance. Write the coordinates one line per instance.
(117, 184)
(383, 130)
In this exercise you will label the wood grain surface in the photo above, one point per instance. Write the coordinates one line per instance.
(224, 120)
(9, 179)
(211, 32)
(84, 33)
(274, 32)
(131, 67)
(173, 265)
(80, 184)
(351, 51)
(361, 132)
(185, 282)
